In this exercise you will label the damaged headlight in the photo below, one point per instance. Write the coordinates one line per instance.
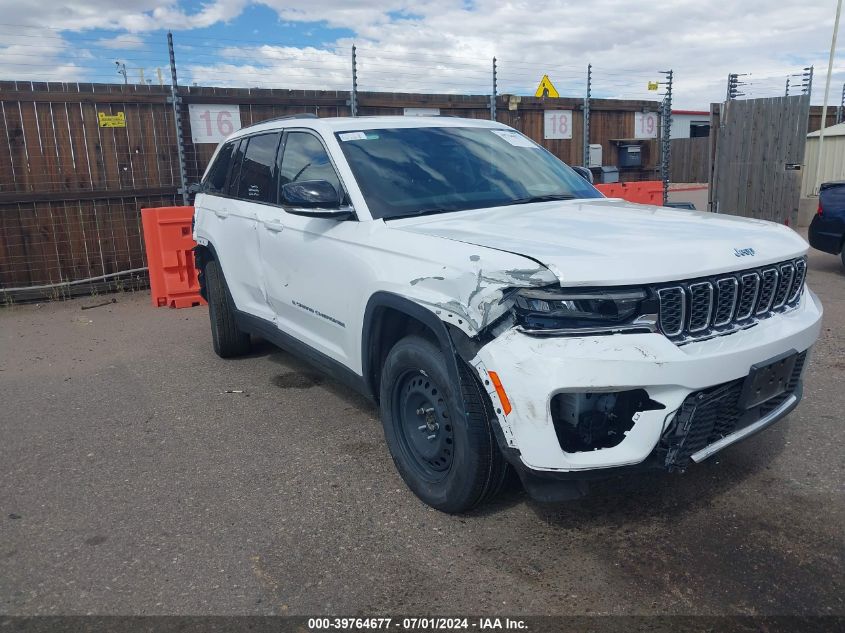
(604, 310)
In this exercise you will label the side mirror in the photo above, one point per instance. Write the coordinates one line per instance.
(314, 199)
(585, 173)
(310, 194)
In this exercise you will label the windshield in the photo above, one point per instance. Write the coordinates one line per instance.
(415, 171)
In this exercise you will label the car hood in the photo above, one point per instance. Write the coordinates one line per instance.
(610, 242)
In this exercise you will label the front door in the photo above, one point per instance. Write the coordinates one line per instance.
(309, 263)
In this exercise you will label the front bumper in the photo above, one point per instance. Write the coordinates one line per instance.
(533, 370)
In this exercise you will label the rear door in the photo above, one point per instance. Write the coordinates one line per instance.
(231, 218)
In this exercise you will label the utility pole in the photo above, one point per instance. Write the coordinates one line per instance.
(587, 96)
(826, 92)
(121, 70)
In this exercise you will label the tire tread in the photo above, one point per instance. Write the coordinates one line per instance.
(228, 340)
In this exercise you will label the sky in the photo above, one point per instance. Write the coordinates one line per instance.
(431, 45)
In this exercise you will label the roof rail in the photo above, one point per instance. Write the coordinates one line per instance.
(301, 115)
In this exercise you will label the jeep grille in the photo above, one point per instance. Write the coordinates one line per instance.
(704, 308)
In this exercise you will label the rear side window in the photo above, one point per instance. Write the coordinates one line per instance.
(258, 179)
(215, 181)
(305, 158)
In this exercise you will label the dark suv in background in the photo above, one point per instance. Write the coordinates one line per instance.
(827, 230)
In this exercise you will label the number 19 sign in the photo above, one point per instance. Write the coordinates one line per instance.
(645, 125)
(213, 123)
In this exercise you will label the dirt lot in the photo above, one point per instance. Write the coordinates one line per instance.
(132, 481)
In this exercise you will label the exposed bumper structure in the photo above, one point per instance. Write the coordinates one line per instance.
(533, 371)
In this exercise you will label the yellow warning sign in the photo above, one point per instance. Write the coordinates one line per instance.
(546, 88)
(112, 120)
(652, 85)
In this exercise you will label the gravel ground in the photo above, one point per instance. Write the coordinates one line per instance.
(134, 481)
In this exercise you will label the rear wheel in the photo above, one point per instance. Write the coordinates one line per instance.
(842, 255)
(227, 339)
(447, 455)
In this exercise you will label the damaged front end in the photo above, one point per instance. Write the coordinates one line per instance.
(587, 421)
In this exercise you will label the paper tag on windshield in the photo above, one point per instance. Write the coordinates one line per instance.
(514, 138)
(353, 136)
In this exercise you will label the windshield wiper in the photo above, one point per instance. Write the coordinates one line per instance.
(430, 211)
(436, 210)
(546, 198)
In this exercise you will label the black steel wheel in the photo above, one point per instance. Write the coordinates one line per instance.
(439, 429)
(422, 423)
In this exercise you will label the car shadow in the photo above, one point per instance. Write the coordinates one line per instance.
(667, 496)
(300, 374)
(614, 501)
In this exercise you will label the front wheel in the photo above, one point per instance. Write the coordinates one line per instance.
(438, 433)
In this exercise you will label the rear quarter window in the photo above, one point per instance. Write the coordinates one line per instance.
(215, 180)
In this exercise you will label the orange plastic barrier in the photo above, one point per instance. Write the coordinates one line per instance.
(645, 192)
(170, 257)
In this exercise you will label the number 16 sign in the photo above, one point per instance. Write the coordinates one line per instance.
(213, 123)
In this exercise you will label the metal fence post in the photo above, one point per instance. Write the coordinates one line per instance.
(177, 117)
(807, 81)
(495, 93)
(733, 83)
(353, 96)
(587, 96)
(841, 108)
(666, 141)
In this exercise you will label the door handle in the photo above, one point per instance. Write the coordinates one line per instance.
(220, 214)
(274, 225)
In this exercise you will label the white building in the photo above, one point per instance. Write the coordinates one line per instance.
(690, 123)
(833, 159)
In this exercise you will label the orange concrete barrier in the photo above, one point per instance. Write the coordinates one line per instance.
(645, 192)
(170, 257)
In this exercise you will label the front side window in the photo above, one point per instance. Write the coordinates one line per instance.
(215, 181)
(258, 178)
(415, 171)
(305, 158)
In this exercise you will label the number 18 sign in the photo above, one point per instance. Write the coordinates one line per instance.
(213, 123)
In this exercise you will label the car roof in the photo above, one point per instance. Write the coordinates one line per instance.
(330, 125)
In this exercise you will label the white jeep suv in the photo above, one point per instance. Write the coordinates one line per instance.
(495, 305)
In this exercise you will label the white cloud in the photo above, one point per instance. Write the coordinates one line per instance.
(125, 41)
(443, 45)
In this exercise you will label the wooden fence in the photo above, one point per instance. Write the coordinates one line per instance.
(690, 159)
(758, 150)
(71, 190)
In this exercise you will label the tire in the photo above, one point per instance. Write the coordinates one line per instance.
(448, 456)
(842, 255)
(227, 339)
